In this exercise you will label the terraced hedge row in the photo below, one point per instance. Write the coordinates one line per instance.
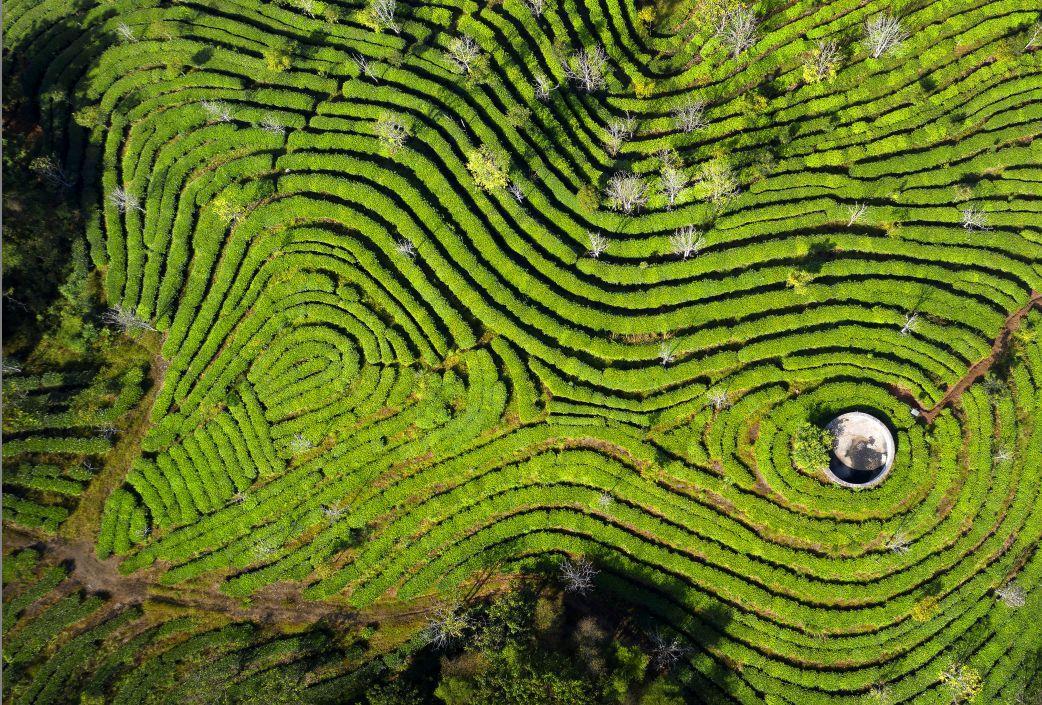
(384, 379)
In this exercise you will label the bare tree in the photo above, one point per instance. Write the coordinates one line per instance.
(737, 29)
(1012, 595)
(587, 68)
(543, 88)
(899, 543)
(605, 500)
(619, 130)
(666, 652)
(405, 248)
(125, 33)
(382, 13)
(974, 219)
(1002, 455)
(125, 320)
(718, 399)
(392, 131)
(690, 117)
(881, 695)
(855, 211)
(626, 192)
(598, 243)
(963, 681)
(124, 200)
(666, 352)
(826, 56)
(238, 497)
(578, 576)
(300, 444)
(673, 181)
(516, 191)
(446, 625)
(1033, 39)
(270, 123)
(686, 241)
(333, 512)
(911, 321)
(365, 67)
(10, 367)
(308, 7)
(536, 7)
(217, 111)
(883, 33)
(51, 172)
(463, 52)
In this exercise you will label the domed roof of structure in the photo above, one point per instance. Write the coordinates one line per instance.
(863, 450)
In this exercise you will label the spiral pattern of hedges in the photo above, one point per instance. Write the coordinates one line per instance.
(341, 413)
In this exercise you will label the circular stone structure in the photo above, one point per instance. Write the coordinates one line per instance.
(863, 450)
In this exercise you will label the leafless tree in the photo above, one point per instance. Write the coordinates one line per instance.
(605, 500)
(673, 181)
(899, 543)
(405, 248)
(125, 33)
(618, 131)
(626, 192)
(382, 12)
(307, 7)
(51, 172)
(881, 695)
(1002, 455)
(392, 131)
(217, 111)
(446, 625)
(578, 575)
(666, 652)
(463, 52)
(855, 212)
(543, 88)
(536, 7)
(1033, 39)
(826, 56)
(686, 241)
(1012, 595)
(587, 68)
(365, 67)
(910, 323)
(690, 117)
(124, 200)
(737, 29)
(883, 33)
(516, 191)
(270, 123)
(666, 352)
(10, 367)
(718, 399)
(125, 320)
(238, 497)
(974, 219)
(598, 243)
(333, 512)
(299, 444)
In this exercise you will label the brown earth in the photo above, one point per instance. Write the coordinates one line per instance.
(977, 370)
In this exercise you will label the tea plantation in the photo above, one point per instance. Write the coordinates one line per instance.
(458, 290)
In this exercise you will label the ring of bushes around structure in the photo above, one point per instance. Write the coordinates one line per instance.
(379, 422)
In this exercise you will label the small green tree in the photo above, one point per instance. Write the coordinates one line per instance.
(278, 58)
(488, 168)
(811, 447)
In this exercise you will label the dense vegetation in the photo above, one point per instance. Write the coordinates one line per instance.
(423, 295)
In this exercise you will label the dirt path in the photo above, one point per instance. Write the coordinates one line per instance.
(280, 603)
(978, 370)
